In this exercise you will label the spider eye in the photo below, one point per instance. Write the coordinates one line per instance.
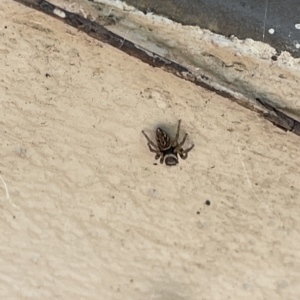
(159, 131)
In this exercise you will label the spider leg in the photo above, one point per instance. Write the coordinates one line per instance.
(150, 142)
(178, 129)
(178, 146)
(162, 159)
(183, 141)
(184, 153)
(157, 156)
(155, 148)
(152, 150)
(158, 153)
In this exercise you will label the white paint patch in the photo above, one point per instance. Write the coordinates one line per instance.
(117, 3)
(297, 45)
(297, 26)
(271, 31)
(59, 13)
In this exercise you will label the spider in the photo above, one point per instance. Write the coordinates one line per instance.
(167, 149)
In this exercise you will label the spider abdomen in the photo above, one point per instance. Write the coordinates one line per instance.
(170, 156)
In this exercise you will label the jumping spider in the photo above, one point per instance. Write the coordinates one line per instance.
(167, 149)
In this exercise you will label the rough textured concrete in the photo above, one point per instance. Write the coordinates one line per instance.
(254, 19)
(245, 68)
(84, 212)
(239, 68)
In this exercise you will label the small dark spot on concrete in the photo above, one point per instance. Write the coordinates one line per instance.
(113, 197)
(207, 202)
(155, 164)
(5, 27)
(198, 212)
(91, 215)
(274, 57)
(14, 217)
(131, 280)
(47, 75)
(282, 76)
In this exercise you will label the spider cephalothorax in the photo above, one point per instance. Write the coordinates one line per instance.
(166, 149)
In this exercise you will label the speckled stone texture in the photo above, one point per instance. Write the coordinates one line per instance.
(84, 212)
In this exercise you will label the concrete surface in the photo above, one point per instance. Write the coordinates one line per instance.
(250, 72)
(84, 212)
(274, 22)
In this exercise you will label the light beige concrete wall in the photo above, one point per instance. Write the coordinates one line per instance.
(242, 68)
(84, 212)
